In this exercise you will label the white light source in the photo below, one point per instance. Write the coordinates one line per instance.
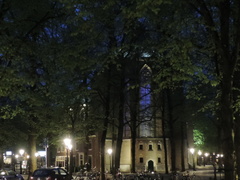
(192, 150)
(109, 151)
(199, 153)
(67, 142)
(8, 153)
(21, 152)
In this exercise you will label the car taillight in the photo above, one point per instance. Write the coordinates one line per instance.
(48, 178)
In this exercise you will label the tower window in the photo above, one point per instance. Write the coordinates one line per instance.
(140, 147)
(141, 160)
(150, 148)
(159, 160)
(159, 147)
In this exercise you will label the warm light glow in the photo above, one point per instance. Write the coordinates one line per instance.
(109, 151)
(67, 142)
(36, 154)
(199, 153)
(16, 156)
(192, 150)
(206, 154)
(21, 152)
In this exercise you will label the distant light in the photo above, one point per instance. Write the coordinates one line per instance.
(21, 152)
(67, 142)
(42, 153)
(192, 150)
(109, 151)
(199, 153)
(8, 153)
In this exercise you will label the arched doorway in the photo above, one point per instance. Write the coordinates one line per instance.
(150, 166)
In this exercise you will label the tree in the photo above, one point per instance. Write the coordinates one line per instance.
(221, 22)
(24, 32)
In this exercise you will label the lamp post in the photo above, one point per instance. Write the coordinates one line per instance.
(192, 150)
(199, 158)
(109, 151)
(68, 145)
(21, 152)
(205, 158)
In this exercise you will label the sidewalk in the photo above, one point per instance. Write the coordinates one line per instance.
(207, 173)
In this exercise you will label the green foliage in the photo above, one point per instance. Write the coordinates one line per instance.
(198, 138)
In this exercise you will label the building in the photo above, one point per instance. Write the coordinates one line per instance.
(152, 147)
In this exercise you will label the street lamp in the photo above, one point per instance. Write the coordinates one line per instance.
(21, 152)
(109, 151)
(192, 150)
(68, 145)
(205, 158)
(199, 157)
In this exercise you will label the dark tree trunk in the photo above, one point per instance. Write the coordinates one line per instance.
(172, 131)
(120, 123)
(183, 131)
(133, 149)
(134, 93)
(237, 144)
(164, 135)
(1, 159)
(226, 118)
(102, 152)
(106, 121)
(236, 86)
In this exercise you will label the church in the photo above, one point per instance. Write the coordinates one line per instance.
(152, 144)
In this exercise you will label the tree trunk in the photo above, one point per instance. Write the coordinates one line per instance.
(237, 144)
(226, 119)
(133, 150)
(134, 93)
(183, 130)
(172, 131)
(120, 125)
(164, 135)
(32, 151)
(102, 152)
(236, 85)
(106, 121)
(1, 159)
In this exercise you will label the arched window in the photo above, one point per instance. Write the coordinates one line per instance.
(146, 127)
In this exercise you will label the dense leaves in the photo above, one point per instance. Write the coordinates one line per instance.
(64, 65)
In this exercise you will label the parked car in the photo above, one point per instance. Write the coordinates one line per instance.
(51, 173)
(6, 174)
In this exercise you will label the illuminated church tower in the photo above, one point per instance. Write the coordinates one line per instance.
(149, 145)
